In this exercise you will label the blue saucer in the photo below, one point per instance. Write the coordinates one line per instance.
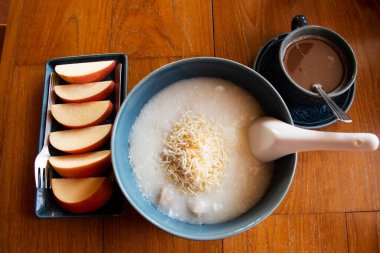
(305, 116)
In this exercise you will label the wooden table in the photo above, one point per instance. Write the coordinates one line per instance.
(333, 204)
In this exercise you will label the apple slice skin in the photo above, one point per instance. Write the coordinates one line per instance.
(94, 169)
(97, 121)
(94, 202)
(91, 77)
(85, 149)
(96, 97)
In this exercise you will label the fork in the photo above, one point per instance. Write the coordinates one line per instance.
(42, 172)
(117, 92)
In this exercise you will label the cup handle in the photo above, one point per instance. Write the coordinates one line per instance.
(298, 22)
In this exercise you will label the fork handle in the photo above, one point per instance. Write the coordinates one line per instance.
(53, 80)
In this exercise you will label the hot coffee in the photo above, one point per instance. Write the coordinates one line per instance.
(311, 60)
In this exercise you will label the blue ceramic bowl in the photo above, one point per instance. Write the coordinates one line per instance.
(241, 75)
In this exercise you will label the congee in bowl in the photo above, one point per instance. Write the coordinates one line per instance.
(190, 155)
(181, 154)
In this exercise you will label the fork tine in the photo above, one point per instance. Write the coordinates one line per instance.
(44, 178)
(36, 174)
(50, 175)
(39, 177)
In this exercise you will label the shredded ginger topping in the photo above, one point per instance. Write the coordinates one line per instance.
(194, 155)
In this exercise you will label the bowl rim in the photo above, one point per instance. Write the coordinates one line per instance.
(216, 235)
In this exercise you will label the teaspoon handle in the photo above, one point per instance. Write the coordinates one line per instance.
(338, 113)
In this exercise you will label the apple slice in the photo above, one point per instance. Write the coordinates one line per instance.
(82, 165)
(81, 140)
(79, 93)
(78, 115)
(85, 72)
(81, 195)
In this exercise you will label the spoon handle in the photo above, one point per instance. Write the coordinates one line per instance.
(339, 113)
(315, 140)
(270, 139)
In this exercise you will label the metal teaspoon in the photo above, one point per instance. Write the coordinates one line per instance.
(338, 113)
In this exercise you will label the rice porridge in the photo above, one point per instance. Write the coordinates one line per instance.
(227, 109)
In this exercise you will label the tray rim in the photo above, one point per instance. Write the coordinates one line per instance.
(50, 64)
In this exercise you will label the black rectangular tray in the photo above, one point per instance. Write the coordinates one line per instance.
(45, 204)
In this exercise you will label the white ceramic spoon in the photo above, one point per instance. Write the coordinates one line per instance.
(270, 138)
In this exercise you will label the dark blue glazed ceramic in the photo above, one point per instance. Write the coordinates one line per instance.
(301, 29)
(310, 115)
(158, 80)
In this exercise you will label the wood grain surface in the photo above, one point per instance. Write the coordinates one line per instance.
(293, 233)
(363, 231)
(334, 202)
(3, 28)
(4, 8)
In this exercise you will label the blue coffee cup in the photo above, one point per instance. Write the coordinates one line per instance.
(294, 92)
